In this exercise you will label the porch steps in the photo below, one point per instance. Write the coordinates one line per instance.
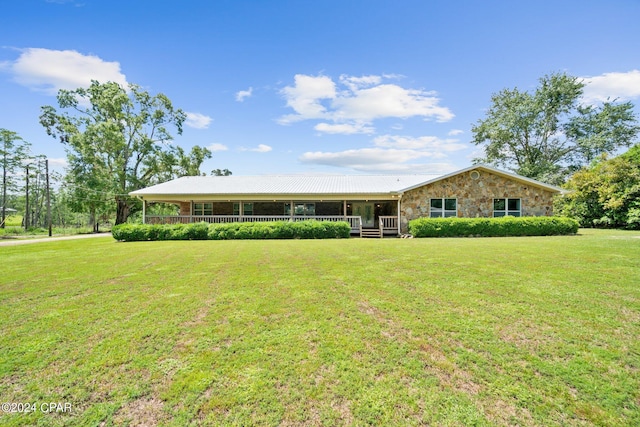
(370, 232)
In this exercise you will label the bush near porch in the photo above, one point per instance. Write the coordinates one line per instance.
(310, 229)
(492, 227)
(233, 231)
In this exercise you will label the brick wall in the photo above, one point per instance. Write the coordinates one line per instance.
(185, 208)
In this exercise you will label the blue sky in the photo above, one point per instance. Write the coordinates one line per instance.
(318, 87)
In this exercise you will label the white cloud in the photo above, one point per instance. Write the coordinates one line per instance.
(261, 148)
(344, 128)
(197, 120)
(610, 86)
(358, 102)
(477, 153)
(58, 161)
(455, 132)
(432, 144)
(217, 147)
(391, 153)
(305, 97)
(242, 94)
(389, 100)
(362, 156)
(48, 70)
(377, 160)
(355, 83)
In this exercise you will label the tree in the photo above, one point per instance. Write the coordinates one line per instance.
(89, 187)
(13, 151)
(118, 140)
(176, 163)
(606, 193)
(547, 135)
(36, 214)
(221, 172)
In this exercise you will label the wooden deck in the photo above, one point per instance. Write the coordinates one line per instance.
(387, 225)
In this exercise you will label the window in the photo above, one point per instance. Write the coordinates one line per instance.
(504, 207)
(300, 209)
(203, 208)
(443, 208)
(247, 209)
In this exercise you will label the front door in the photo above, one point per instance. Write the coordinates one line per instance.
(364, 210)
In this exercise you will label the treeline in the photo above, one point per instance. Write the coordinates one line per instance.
(550, 134)
(118, 139)
(605, 193)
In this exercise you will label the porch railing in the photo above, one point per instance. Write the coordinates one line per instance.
(354, 221)
(388, 224)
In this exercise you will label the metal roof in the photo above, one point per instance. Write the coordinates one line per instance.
(285, 184)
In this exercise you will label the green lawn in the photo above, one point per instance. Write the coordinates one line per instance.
(488, 331)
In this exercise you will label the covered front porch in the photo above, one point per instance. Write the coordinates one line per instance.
(365, 217)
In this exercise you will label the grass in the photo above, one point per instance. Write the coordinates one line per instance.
(491, 331)
(14, 229)
(39, 232)
(12, 220)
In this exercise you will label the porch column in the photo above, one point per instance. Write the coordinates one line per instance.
(291, 210)
(399, 216)
(344, 209)
(144, 211)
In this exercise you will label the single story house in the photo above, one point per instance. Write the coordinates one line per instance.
(373, 204)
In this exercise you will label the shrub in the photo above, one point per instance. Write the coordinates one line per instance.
(633, 218)
(280, 230)
(492, 227)
(131, 232)
(198, 231)
(142, 232)
(232, 231)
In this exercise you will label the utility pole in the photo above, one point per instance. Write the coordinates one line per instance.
(27, 214)
(46, 166)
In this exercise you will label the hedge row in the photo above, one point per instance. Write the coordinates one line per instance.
(232, 231)
(492, 227)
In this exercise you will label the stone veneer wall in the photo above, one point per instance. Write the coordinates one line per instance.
(475, 197)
